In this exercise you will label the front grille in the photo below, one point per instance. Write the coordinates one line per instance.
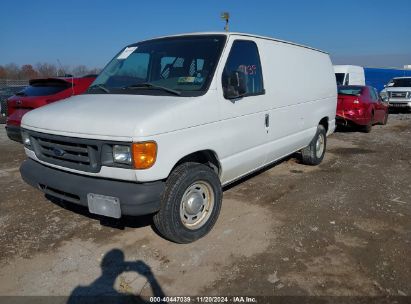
(398, 105)
(398, 94)
(69, 152)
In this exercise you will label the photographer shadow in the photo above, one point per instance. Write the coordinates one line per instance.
(102, 290)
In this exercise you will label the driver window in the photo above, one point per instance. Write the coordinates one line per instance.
(244, 58)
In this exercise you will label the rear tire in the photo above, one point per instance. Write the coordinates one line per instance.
(313, 154)
(190, 204)
(367, 128)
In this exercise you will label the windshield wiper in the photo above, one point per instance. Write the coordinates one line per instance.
(152, 86)
(99, 86)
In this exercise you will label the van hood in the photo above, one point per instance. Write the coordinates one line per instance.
(118, 117)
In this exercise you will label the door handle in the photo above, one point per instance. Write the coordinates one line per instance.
(267, 120)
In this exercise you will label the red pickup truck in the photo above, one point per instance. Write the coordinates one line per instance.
(39, 93)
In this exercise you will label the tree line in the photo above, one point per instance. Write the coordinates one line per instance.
(42, 70)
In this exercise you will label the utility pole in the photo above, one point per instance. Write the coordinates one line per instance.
(225, 16)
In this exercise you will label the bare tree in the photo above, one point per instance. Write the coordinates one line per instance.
(12, 71)
(43, 69)
(27, 72)
(46, 69)
(94, 71)
(3, 72)
(79, 70)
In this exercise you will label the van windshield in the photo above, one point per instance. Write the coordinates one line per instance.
(400, 82)
(168, 66)
(339, 77)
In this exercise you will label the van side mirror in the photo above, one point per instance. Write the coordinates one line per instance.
(236, 85)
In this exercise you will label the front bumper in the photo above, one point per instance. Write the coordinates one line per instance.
(14, 133)
(134, 198)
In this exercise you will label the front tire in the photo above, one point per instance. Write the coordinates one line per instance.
(190, 204)
(313, 154)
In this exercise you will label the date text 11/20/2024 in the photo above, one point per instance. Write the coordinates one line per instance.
(204, 299)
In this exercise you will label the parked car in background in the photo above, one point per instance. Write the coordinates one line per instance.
(41, 92)
(172, 120)
(398, 93)
(5, 93)
(373, 77)
(360, 106)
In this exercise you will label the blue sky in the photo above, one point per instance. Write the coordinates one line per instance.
(90, 32)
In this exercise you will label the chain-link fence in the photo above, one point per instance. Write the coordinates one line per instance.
(9, 87)
(4, 83)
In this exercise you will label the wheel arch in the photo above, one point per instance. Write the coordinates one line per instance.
(206, 157)
(324, 123)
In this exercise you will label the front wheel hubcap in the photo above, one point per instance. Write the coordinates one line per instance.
(319, 145)
(197, 205)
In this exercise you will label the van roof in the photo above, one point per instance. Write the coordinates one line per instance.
(237, 34)
(347, 66)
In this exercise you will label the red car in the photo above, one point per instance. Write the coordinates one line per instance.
(360, 106)
(39, 93)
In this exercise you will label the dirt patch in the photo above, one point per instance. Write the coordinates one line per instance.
(341, 228)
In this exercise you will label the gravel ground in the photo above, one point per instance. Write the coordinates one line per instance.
(339, 229)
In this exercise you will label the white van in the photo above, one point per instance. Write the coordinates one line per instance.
(349, 75)
(169, 121)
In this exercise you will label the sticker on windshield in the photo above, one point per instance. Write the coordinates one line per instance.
(127, 52)
(196, 80)
(186, 79)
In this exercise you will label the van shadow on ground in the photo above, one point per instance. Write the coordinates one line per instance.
(102, 289)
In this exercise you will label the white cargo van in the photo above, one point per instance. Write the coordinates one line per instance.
(169, 121)
(349, 75)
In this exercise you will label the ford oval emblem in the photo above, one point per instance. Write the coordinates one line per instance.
(58, 152)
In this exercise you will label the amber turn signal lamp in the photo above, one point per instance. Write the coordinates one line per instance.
(144, 154)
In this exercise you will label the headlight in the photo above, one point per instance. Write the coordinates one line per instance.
(26, 139)
(384, 95)
(140, 155)
(122, 154)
